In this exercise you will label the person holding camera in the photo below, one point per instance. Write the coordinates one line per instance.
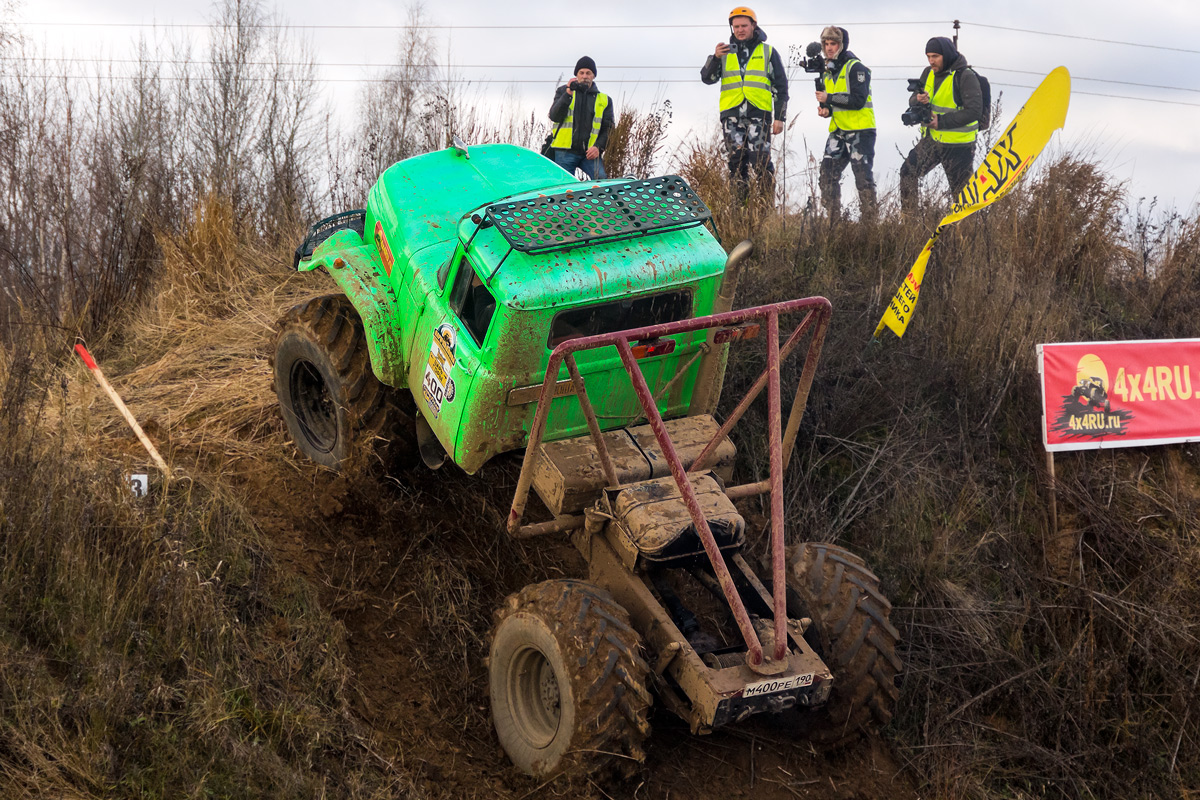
(948, 103)
(844, 96)
(584, 117)
(753, 102)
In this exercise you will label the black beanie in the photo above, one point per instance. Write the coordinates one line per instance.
(944, 48)
(585, 62)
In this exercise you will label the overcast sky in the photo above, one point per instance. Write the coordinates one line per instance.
(1147, 136)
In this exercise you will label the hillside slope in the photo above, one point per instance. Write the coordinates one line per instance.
(412, 565)
(1039, 661)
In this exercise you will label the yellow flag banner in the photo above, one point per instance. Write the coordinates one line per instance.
(1015, 150)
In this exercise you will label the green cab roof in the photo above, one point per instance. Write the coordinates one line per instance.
(421, 199)
(429, 199)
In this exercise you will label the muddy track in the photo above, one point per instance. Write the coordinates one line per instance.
(414, 566)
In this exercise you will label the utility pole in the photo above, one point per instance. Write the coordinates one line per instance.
(956, 27)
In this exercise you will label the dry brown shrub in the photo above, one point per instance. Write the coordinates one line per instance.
(195, 361)
(703, 164)
(636, 141)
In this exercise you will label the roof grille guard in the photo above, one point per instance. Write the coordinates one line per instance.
(603, 212)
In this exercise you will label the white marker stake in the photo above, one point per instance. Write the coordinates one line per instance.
(120, 404)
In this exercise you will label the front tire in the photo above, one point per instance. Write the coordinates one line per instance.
(852, 634)
(567, 682)
(329, 397)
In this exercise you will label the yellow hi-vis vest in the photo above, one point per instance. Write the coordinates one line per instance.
(750, 84)
(562, 139)
(847, 119)
(943, 103)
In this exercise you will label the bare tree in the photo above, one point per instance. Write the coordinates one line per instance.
(393, 111)
(287, 139)
(7, 7)
(230, 109)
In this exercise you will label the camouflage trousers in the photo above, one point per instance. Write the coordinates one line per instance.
(856, 149)
(956, 160)
(748, 146)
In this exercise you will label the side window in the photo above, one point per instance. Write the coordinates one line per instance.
(472, 301)
(620, 315)
(444, 271)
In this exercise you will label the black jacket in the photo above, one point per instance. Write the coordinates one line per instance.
(585, 112)
(714, 67)
(966, 92)
(859, 81)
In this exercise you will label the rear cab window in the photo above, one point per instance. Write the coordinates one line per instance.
(620, 315)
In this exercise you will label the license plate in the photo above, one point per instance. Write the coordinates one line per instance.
(778, 685)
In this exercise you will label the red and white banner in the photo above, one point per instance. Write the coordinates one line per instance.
(1119, 394)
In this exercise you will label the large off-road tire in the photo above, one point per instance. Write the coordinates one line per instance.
(567, 681)
(330, 399)
(851, 632)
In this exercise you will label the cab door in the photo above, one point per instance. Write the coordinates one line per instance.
(446, 349)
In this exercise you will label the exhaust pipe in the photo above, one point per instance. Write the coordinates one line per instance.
(711, 377)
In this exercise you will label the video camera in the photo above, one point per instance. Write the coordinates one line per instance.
(917, 113)
(813, 61)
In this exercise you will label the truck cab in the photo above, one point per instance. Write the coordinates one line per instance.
(471, 266)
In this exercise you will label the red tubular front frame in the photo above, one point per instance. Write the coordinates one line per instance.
(817, 318)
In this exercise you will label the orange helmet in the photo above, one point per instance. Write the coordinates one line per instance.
(743, 11)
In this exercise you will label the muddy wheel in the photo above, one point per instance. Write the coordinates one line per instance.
(852, 634)
(567, 682)
(329, 397)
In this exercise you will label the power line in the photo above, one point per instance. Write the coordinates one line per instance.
(557, 67)
(503, 82)
(1083, 38)
(1096, 80)
(1109, 96)
(289, 26)
(662, 26)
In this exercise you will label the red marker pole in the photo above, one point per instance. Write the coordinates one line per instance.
(120, 404)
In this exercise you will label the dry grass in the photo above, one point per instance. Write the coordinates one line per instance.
(157, 649)
(152, 648)
(193, 367)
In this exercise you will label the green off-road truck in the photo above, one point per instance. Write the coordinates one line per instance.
(491, 303)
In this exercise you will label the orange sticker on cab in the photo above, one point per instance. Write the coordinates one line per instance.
(385, 250)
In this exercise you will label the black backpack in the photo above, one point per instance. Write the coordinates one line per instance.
(985, 89)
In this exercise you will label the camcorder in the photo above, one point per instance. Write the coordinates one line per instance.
(917, 113)
(813, 61)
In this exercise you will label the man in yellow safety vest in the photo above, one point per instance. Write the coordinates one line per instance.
(951, 90)
(845, 98)
(753, 103)
(584, 117)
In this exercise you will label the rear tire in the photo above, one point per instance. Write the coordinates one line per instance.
(567, 682)
(330, 399)
(851, 632)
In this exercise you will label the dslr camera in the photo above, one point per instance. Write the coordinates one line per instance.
(917, 113)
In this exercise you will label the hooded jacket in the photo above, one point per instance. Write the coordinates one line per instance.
(713, 68)
(585, 112)
(966, 89)
(859, 78)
